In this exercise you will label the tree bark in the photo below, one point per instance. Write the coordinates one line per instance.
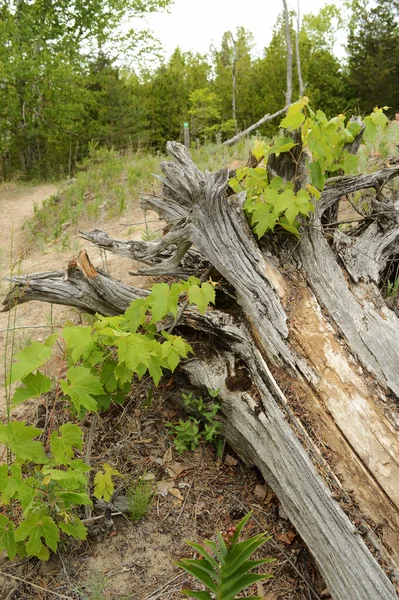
(301, 358)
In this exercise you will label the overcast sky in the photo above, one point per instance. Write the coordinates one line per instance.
(195, 24)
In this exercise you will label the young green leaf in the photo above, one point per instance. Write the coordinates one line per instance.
(33, 529)
(7, 537)
(35, 384)
(29, 359)
(81, 386)
(202, 295)
(18, 437)
(103, 484)
(74, 528)
(63, 442)
(79, 342)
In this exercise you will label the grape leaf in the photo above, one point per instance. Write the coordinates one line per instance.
(202, 295)
(350, 163)
(82, 386)
(29, 359)
(135, 315)
(79, 342)
(294, 118)
(316, 174)
(314, 191)
(62, 445)
(34, 528)
(10, 481)
(19, 438)
(379, 118)
(74, 528)
(35, 385)
(370, 133)
(71, 498)
(282, 144)
(7, 537)
(133, 350)
(103, 484)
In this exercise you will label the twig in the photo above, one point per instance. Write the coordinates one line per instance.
(30, 327)
(38, 587)
(190, 487)
(89, 445)
(152, 595)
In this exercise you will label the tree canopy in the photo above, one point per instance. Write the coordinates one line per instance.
(64, 84)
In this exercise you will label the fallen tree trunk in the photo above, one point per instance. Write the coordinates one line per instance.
(313, 343)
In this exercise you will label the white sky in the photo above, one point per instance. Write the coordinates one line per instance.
(195, 24)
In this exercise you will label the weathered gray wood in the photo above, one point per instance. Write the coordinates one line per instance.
(284, 323)
(100, 294)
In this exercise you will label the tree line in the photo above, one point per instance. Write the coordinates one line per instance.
(64, 86)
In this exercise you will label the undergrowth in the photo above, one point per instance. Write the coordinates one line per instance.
(109, 181)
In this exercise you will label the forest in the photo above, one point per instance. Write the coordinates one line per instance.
(66, 83)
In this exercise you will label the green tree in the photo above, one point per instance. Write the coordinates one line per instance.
(168, 92)
(373, 54)
(43, 70)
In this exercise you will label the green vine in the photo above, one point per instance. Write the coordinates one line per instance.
(45, 482)
(272, 203)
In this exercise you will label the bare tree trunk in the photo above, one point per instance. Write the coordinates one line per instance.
(256, 125)
(288, 93)
(298, 56)
(234, 82)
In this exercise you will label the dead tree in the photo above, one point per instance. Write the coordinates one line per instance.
(301, 345)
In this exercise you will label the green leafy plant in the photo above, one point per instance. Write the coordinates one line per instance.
(44, 484)
(224, 567)
(271, 202)
(139, 496)
(188, 433)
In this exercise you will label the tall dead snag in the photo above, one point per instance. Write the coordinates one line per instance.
(303, 335)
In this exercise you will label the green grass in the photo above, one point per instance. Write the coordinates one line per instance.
(109, 182)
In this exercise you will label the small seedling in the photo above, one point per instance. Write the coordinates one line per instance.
(224, 567)
(139, 496)
(188, 433)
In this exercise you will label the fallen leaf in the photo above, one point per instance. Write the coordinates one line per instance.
(164, 486)
(168, 456)
(271, 596)
(175, 469)
(260, 492)
(287, 537)
(147, 477)
(230, 461)
(176, 493)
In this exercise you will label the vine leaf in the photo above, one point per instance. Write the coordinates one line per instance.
(63, 442)
(79, 342)
(202, 295)
(18, 437)
(35, 385)
(7, 537)
(34, 528)
(103, 484)
(29, 359)
(82, 386)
